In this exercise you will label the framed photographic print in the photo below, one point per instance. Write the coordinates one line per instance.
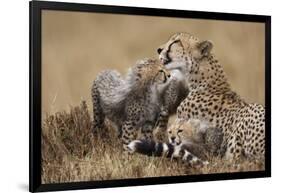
(126, 96)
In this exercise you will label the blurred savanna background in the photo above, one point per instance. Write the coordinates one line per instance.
(78, 45)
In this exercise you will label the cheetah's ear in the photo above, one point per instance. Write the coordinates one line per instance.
(205, 48)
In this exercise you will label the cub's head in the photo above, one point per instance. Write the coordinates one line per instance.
(183, 130)
(194, 59)
(150, 71)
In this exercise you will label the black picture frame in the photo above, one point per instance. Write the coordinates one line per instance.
(36, 7)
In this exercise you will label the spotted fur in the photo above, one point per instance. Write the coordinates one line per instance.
(211, 99)
(191, 141)
(133, 103)
(174, 93)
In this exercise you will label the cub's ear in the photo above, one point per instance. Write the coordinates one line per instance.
(204, 48)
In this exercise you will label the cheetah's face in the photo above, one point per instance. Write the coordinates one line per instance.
(182, 49)
(161, 76)
(149, 70)
(183, 130)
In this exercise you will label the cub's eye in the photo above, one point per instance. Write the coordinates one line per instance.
(165, 73)
(170, 132)
(180, 130)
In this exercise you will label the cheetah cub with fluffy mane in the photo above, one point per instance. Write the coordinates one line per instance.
(135, 102)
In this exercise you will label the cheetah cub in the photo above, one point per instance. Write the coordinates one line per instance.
(172, 95)
(191, 141)
(132, 103)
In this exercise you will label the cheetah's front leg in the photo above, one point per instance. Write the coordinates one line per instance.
(160, 133)
(234, 145)
(129, 133)
(147, 131)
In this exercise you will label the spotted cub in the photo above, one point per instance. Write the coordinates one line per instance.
(132, 103)
(191, 141)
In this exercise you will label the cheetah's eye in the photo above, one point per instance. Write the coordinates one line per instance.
(170, 132)
(180, 130)
(164, 73)
(161, 73)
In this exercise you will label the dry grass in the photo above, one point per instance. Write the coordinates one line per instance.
(71, 153)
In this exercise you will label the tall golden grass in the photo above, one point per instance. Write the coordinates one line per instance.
(70, 153)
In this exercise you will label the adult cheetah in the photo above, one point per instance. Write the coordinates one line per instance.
(211, 99)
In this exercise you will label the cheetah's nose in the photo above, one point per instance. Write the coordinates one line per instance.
(173, 139)
(159, 50)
